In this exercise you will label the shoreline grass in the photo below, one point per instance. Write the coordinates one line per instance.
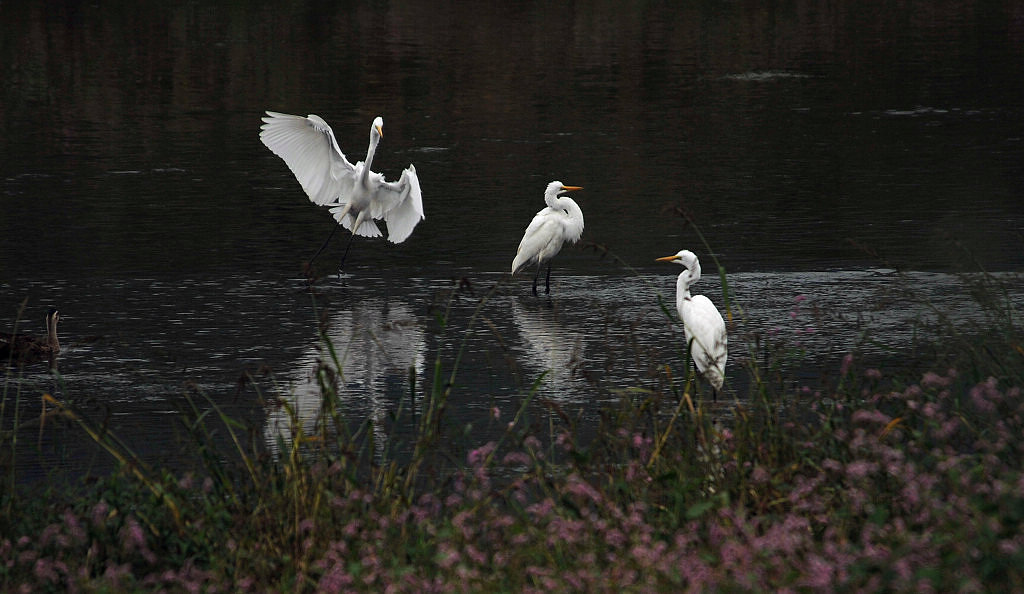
(904, 480)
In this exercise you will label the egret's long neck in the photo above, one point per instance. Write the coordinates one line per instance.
(694, 272)
(364, 174)
(682, 288)
(551, 199)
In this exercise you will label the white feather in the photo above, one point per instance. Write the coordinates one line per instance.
(560, 222)
(703, 325)
(308, 148)
(705, 334)
(354, 193)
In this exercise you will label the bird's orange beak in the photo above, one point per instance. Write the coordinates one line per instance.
(380, 131)
(671, 258)
(571, 188)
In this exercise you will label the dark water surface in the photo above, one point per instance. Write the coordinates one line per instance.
(816, 146)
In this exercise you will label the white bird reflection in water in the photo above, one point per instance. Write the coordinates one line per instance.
(376, 346)
(551, 348)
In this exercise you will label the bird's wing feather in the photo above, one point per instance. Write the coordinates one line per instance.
(307, 145)
(706, 335)
(368, 228)
(399, 203)
(542, 239)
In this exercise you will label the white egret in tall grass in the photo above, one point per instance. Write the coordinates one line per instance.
(703, 325)
(560, 221)
(355, 194)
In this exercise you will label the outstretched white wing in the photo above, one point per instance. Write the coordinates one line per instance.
(399, 203)
(308, 147)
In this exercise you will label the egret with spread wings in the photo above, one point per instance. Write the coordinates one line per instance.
(559, 222)
(357, 196)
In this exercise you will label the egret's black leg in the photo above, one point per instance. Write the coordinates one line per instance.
(345, 255)
(536, 275)
(547, 281)
(324, 245)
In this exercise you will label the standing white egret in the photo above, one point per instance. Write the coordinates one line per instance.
(355, 194)
(559, 222)
(703, 325)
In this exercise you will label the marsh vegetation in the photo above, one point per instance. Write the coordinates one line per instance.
(906, 477)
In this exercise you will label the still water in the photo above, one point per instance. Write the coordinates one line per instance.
(816, 148)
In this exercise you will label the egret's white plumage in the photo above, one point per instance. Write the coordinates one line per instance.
(703, 324)
(560, 221)
(356, 194)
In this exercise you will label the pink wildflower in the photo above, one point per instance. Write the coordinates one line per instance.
(860, 468)
(817, 574)
(48, 534)
(871, 416)
(478, 456)
(832, 465)
(134, 536)
(948, 428)
(542, 509)
(847, 362)
(351, 529)
(117, 572)
(934, 380)
(582, 489)
(44, 571)
(335, 580)
(74, 527)
(615, 538)
(516, 459)
(464, 524)
(476, 555)
(985, 395)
